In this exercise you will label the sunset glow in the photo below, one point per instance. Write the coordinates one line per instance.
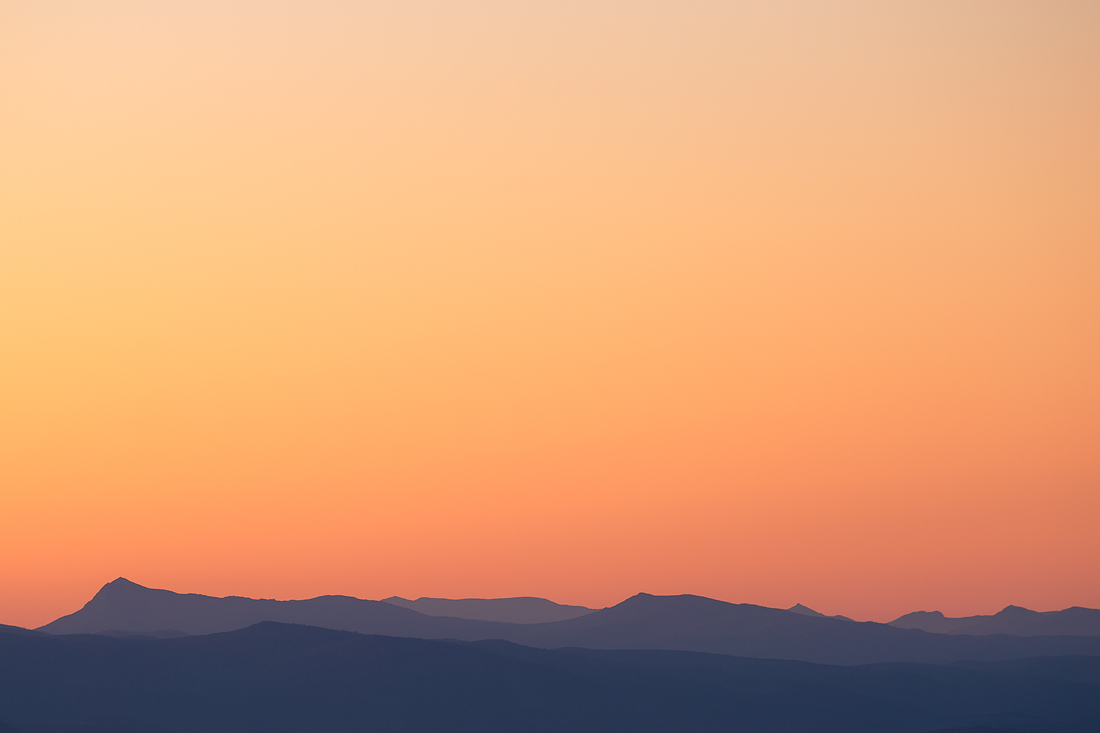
(769, 302)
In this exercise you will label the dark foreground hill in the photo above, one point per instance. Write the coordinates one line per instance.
(1013, 620)
(685, 623)
(274, 677)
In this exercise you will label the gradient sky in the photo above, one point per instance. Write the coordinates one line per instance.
(772, 302)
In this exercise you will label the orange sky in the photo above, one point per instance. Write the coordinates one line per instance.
(770, 302)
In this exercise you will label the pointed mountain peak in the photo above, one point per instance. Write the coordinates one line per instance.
(1011, 610)
(121, 582)
(120, 587)
(804, 610)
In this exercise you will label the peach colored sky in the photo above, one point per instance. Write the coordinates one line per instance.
(771, 302)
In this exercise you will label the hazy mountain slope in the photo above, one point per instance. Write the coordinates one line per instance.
(689, 623)
(694, 623)
(807, 611)
(277, 678)
(509, 610)
(122, 606)
(1013, 620)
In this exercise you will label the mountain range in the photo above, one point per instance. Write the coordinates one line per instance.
(281, 678)
(1075, 621)
(674, 623)
(123, 607)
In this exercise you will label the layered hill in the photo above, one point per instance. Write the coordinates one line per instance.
(805, 611)
(695, 623)
(1013, 620)
(5, 629)
(525, 610)
(683, 623)
(276, 678)
(122, 607)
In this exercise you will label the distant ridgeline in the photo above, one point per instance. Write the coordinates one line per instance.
(1013, 620)
(141, 660)
(508, 610)
(682, 623)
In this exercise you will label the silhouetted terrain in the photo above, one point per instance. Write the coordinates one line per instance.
(509, 610)
(125, 607)
(694, 623)
(5, 629)
(1013, 620)
(274, 677)
(805, 611)
(686, 623)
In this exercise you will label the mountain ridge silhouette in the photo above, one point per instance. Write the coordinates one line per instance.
(643, 621)
(5, 629)
(125, 606)
(518, 610)
(807, 611)
(1012, 620)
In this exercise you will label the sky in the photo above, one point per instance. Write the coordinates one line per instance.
(771, 302)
